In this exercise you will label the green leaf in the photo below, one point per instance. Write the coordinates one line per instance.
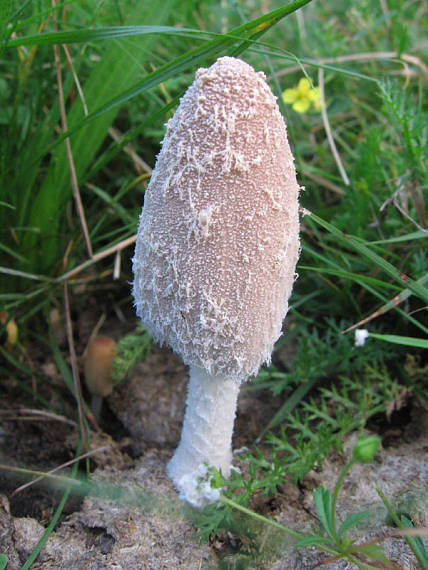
(374, 551)
(312, 541)
(6, 7)
(97, 34)
(322, 500)
(351, 520)
(289, 405)
(132, 348)
(368, 283)
(117, 69)
(115, 72)
(403, 522)
(61, 363)
(349, 275)
(421, 234)
(416, 287)
(3, 561)
(404, 340)
(233, 43)
(415, 543)
(7, 205)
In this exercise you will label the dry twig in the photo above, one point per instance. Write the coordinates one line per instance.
(328, 129)
(73, 174)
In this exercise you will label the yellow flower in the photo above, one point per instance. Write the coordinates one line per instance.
(303, 97)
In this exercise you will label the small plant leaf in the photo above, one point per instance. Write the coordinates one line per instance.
(373, 551)
(3, 561)
(132, 348)
(312, 541)
(322, 500)
(416, 543)
(289, 404)
(352, 520)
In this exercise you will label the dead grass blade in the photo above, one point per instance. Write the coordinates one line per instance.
(71, 165)
(62, 466)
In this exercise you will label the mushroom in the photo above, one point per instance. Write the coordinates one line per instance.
(216, 251)
(97, 365)
(7, 323)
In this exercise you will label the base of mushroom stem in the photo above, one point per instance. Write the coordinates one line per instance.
(206, 436)
(196, 488)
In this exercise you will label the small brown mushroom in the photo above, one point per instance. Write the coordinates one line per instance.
(11, 330)
(98, 361)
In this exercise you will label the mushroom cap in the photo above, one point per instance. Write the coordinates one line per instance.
(97, 364)
(218, 243)
(11, 330)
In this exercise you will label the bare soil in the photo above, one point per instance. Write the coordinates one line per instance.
(129, 516)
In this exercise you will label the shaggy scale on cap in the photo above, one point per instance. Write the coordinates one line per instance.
(218, 242)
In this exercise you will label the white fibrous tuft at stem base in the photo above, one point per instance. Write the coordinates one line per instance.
(195, 488)
(206, 439)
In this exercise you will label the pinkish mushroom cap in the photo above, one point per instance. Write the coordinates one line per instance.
(218, 236)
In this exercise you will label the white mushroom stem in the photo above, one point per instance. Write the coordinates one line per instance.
(207, 429)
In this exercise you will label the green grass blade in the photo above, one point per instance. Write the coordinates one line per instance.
(421, 234)
(6, 8)
(49, 529)
(312, 541)
(370, 284)
(358, 278)
(215, 48)
(118, 145)
(7, 373)
(416, 543)
(404, 340)
(12, 253)
(108, 33)
(288, 406)
(420, 553)
(114, 71)
(21, 367)
(122, 213)
(256, 28)
(56, 188)
(392, 304)
(39, 15)
(415, 286)
(23, 274)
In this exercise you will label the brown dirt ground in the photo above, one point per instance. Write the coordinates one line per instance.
(132, 519)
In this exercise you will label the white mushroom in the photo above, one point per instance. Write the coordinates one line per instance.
(217, 247)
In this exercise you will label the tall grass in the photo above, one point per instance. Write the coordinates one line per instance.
(38, 195)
